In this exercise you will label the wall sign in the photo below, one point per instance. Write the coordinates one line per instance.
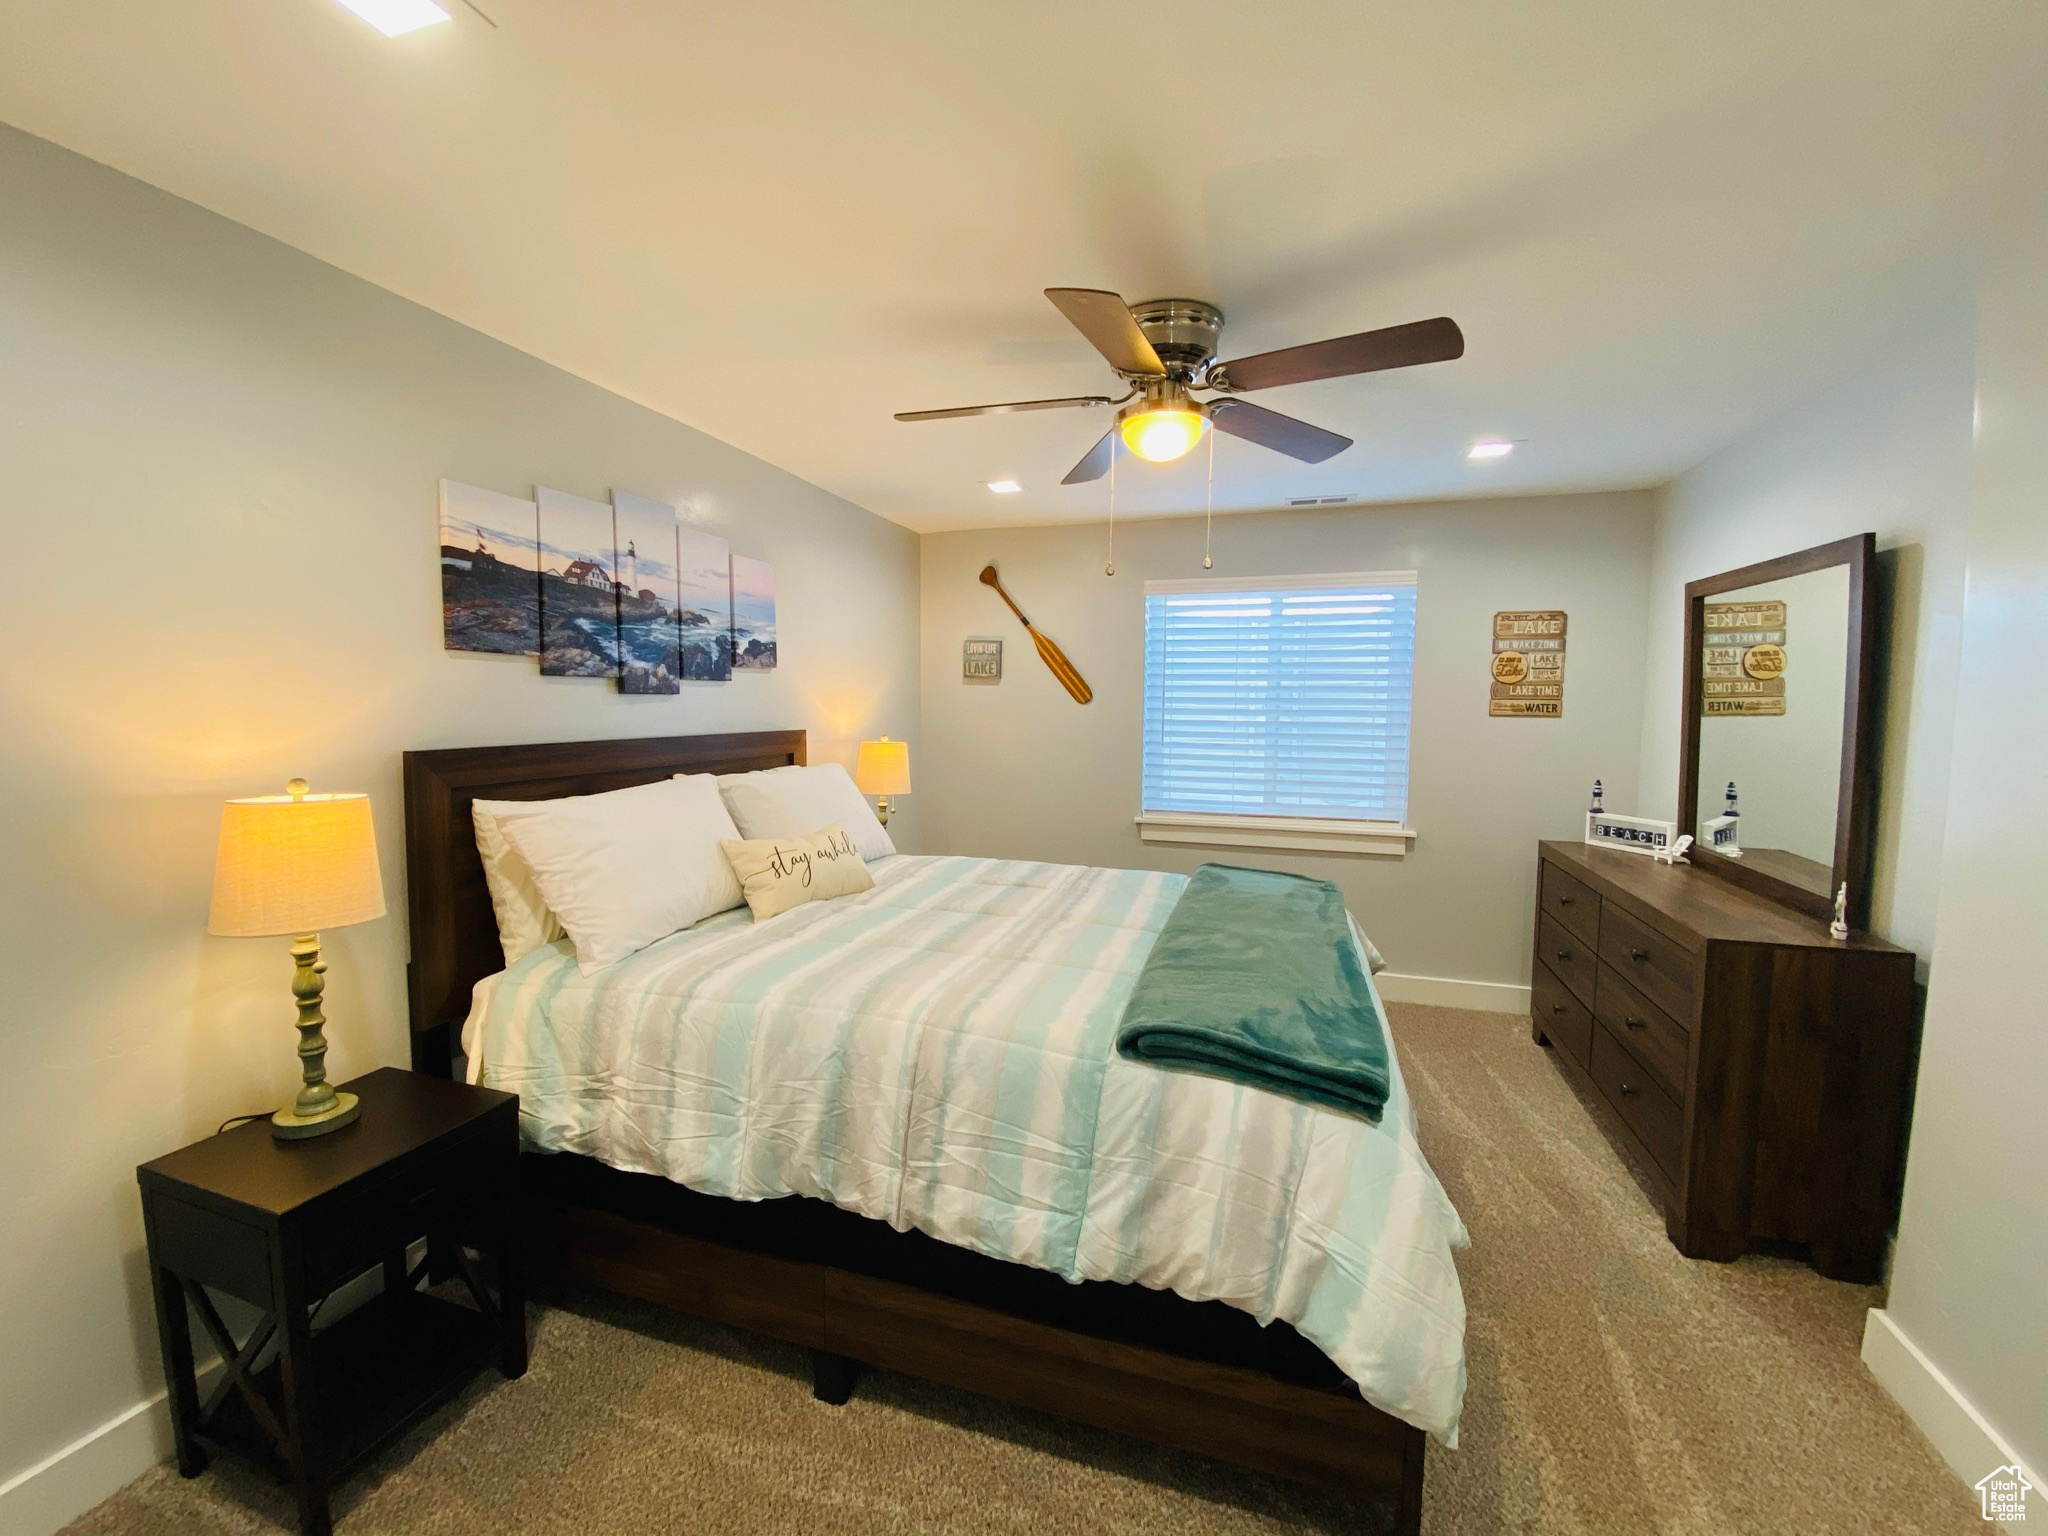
(981, 659)
(1742, 660)
(1528, 665)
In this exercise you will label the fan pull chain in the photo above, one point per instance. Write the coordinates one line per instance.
(1109, 568)
(1209, 521)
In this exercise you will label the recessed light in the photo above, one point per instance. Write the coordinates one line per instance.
(395, 18)
(1492, 449)
(1005, 487)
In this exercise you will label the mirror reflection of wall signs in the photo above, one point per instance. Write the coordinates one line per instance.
(1528, 665)
(1742, 665)
(981, 659)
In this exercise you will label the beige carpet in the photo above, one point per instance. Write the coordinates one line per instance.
(1615, 1387)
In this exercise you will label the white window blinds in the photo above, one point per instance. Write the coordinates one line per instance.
(1280, 696)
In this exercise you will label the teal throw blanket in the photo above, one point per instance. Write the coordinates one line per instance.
(1255, 978)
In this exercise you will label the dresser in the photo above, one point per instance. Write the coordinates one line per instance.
(1757, 1068)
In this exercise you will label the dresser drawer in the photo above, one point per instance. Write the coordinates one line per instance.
(1656, 1040)
(1645, 1108)
(1661, 969)
(1573, 903)
(1566, 1021)
(1571, 958)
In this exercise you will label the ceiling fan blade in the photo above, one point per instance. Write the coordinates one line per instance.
(999, 410)
(1105, 319)
(1397, 346)
(1269, 429)
(1094, 463)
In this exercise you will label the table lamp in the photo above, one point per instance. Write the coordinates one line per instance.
(293, 864)
(882, 770)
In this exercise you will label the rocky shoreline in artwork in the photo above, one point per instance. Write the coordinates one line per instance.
(488, 605)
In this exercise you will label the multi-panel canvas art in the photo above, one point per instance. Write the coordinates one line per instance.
(625, 590)
(645, 537)
(704, 562)
(490, 583)
(753, 614)
(579, 592)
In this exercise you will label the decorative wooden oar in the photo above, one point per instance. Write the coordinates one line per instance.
(1054, 658)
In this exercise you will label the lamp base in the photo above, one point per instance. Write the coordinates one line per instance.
(289, 1125)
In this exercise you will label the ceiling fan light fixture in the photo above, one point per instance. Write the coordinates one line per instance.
(1490, 448)
(1163, 436)
(1005, 487)
(1163, 426)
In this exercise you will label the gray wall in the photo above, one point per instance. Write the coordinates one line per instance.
(1022, 771)
(217, 466)
(1887, 450)
(1970, 1276)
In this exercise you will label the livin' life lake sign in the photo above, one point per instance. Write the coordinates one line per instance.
(1528, 666)
(1742, 659)
(981, 659)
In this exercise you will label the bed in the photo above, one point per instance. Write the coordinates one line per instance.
(960, 1179)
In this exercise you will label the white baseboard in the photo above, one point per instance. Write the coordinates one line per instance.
(1449, 992)
(1951, 1423)
(94, 1467)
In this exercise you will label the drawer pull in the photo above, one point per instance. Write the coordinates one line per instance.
(1564, 901)
(1563, 955)
(1628, 1090)
(1632, 1023)
(1558, 1008)
(1639, 955)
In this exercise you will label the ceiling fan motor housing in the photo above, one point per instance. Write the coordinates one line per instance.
(1184, 332)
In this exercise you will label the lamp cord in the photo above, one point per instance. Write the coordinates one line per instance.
(261, 1114)
(1109, 569)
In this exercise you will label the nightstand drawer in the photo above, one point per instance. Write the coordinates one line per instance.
(1660, 968)
(438, 1195)
(1574, 904)
(215, 1250)
(1565, 1021)
(1570, 958)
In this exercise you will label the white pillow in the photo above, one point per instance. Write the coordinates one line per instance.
(524, 921)
(790, 802)
(626, 868)
(778, 873)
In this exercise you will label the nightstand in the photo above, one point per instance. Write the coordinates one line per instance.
(282, 1225)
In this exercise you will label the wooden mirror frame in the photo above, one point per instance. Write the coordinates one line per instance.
(1856, 798)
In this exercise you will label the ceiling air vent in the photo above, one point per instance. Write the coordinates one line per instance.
(1318, 501)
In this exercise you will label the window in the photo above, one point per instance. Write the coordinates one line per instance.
(1276, 711)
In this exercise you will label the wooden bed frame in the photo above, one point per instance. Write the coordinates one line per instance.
(1201, 1377)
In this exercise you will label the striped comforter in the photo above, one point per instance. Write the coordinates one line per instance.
(938, 1053)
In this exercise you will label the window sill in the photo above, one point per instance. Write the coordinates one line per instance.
(1301, 834)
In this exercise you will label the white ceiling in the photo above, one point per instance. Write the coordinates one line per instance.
(781, 223)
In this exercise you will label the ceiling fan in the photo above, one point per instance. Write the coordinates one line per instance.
(1166, 348)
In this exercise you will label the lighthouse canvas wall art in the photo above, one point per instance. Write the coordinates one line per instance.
(490, 571)
(579, 594)
(646, 535)
(753, 614)
(704, 562)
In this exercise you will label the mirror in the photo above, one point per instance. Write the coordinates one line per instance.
(1775, 778)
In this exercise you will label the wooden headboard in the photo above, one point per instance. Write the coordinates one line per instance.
(453, 929)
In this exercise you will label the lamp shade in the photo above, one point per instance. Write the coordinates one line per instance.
(883, 768)
(292, 864)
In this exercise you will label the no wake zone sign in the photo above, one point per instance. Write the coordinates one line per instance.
(1528, 665)
(1742, 665)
